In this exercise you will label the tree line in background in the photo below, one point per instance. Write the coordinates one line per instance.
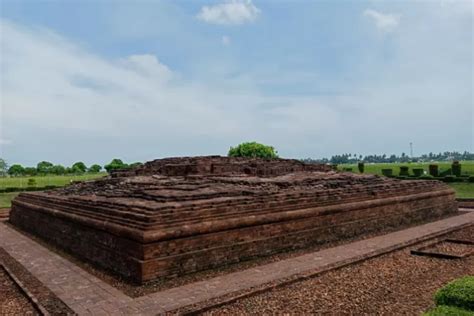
(47, 168)
(248, 149)
(355, 158)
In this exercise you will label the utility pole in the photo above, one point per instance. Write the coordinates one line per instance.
(411, 149)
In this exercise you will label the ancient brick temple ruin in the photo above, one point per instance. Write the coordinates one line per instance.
(174, 216)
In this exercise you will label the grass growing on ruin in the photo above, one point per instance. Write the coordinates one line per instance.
(467, 167)
(42, 181)
(6, 198)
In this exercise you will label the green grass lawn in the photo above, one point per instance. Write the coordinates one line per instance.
(6, 198)
(463, 190)
(467, 167)
(42, 181)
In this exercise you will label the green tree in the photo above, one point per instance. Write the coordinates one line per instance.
(30, 171)
(79, 167)
(115, 164)
(16, 170)
(3, 167)
(253, 149)
(95, 168)
(58, 169)
(44, 167)
(135, 164)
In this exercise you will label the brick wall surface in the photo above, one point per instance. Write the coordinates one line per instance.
(175, 216)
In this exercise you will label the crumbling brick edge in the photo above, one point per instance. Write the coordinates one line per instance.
(233, 297)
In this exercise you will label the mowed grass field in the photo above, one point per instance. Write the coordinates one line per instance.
(463, 190)
(6, 198)
(467, 167)
(42, 181)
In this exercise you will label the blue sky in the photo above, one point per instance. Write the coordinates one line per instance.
(93, 80)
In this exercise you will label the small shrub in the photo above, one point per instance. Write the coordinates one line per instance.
(387, 172)
(433, 170)
(347, 169)
(418, 172)
(115, 164)
(361, 167)
(456, 168)
(254, 150)
(404, 171)
(443, 310)
(471, 179)
(31, 182)
(459, 293)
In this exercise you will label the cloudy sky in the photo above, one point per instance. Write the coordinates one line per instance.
(93, 80)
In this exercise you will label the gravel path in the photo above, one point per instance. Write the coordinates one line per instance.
(48, 300)
(12, 300)
(452, 248)
(394, 284)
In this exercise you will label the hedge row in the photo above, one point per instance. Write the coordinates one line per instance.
(444, 179)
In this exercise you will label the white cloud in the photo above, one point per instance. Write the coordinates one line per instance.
(384, 22)
(148, 65)
(225, 40)
(53, 88)
(232, 12)
(57, 94)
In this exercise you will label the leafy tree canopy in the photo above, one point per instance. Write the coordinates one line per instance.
(44, 167)
(30, 171)
(58, 169)
(95, 168)
(253, 149)
(79, 167)
(16, 170)
(115, 164)
(135, 164)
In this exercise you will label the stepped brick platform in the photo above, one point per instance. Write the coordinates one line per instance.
(466, 203)
(180, 215)
(4, 214)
